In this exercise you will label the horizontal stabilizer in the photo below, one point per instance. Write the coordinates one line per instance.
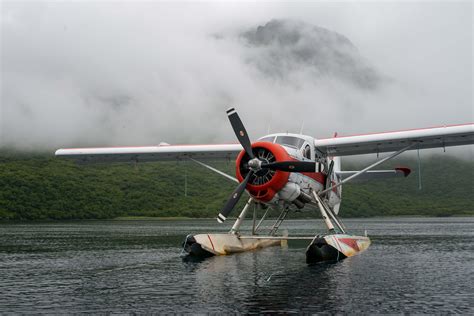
(375, 174)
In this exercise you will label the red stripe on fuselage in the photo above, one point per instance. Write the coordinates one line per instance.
(317, 176)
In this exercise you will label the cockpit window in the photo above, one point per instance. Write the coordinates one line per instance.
(267, 139)
(290, 141)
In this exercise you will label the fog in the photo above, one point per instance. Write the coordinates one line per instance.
(139, 73)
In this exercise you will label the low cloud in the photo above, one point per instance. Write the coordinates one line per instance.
(111, 73)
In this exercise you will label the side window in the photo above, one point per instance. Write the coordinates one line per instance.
(307, 152)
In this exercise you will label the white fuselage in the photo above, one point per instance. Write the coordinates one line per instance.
(301, 147)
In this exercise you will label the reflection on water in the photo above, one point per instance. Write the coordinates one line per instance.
(415, 265)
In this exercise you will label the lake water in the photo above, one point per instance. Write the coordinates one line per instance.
(414, 265)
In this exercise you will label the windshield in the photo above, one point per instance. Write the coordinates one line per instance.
(290, 141)
(267, 139)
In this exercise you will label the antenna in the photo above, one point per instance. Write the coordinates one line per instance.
(302, 127)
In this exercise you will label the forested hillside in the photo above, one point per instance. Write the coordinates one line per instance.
(39, 186)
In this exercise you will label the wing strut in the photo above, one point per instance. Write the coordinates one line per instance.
(215, 170)
(368, 168)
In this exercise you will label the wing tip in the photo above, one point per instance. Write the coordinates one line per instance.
(58, 152)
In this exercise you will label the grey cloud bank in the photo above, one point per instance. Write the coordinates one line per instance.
(111, 73)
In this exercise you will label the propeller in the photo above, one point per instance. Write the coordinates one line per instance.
(255, 164)
(244, 140)
(240, 132)
(291, 166)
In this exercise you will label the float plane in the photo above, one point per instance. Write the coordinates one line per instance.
(286, 172)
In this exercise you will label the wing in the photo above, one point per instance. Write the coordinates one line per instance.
(151, 153)
(453, 135)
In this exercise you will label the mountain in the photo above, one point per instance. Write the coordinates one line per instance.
(284, 47)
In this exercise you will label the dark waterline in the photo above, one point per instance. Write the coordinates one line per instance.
(414, 265)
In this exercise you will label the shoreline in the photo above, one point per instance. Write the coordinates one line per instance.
(182, 218)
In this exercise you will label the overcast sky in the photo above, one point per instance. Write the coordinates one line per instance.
(131, 73)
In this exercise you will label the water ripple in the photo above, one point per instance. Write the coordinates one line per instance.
(415, 265)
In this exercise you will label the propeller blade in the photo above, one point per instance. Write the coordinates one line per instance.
(291, 166)
(240, 131)
(233, 199)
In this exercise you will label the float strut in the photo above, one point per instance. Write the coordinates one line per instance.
(325, 216)
(241, 217)
(262, 219)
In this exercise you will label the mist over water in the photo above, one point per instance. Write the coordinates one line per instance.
(414, 265)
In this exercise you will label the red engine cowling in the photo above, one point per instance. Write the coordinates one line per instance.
(265, 183)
